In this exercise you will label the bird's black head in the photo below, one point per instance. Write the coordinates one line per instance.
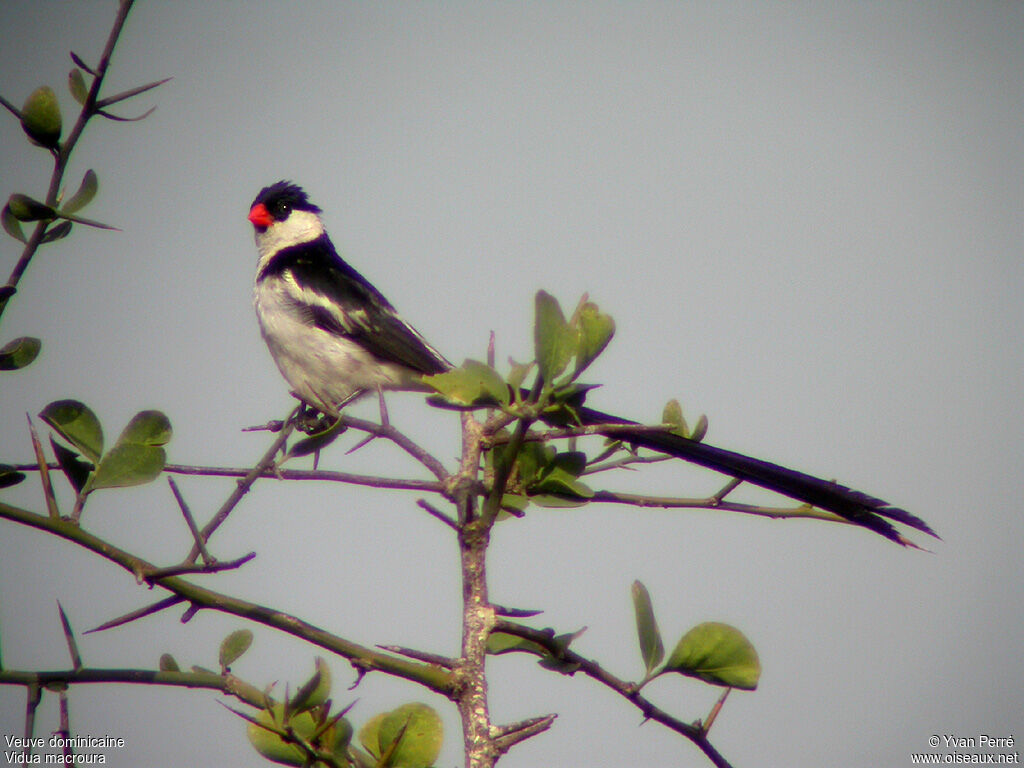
(276, 202)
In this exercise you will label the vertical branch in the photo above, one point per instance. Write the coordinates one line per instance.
(477, 612)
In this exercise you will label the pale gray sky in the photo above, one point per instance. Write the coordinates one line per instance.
(806, 221)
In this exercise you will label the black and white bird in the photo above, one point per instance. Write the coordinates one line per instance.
(335, 337)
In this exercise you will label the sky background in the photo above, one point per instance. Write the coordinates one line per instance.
(806, 219)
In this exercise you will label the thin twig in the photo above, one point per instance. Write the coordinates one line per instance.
(34, 696)
(546, 639)
(241, 489)
(211, 567)
(712, 502)
(65, 726)
(402, 441)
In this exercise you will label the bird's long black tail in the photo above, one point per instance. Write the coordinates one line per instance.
(855, 506)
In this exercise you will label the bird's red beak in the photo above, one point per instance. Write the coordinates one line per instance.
(260, 216)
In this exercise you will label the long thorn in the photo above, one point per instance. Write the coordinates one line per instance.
(190, 521)
(76, 657)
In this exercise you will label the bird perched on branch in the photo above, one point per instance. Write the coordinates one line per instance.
(335, 337)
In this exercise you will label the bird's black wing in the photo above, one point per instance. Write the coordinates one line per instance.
(337, 299)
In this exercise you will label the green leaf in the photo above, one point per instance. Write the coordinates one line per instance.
(147, 428)
(502, 642)
(369, 734)
(25, 208)
(594, 331)
(129, 464)
(77, 424)
(474, 384)
(85, 194)
(572, 462)
(515, 503)
(652, 650)
(40, 117)
(717, 653)
(168, 664)
(554, 342)
(673, 416)
(19, 352)
(517, 374)
(10, 476)
(57, 232)
(11, 224)
(233, 646)
(413, 734)
(558, 482)
(700, 429)
(314, 691)
(75, 470)
(558, 501)
(76, 84)
(265, 734)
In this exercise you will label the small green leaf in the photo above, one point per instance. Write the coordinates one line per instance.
(557, 501)
(517, 374)
(554, 342)
(700, 429)
(502, 642)
(25, 208)
(168, 664)
(515, 503)
(572, 462)
(314, 691)
(558, 482)
(57, 232)
(717, 653)
(233, 646)
(10, 476)
(77, 424)
(147, 428)
(474, 384)
(11, 224)
(594, 331)
(85, 194)
(413, 734)
(128, 464)
(652, 650)
(76, 84)
(19, 352)
(265, 734)
(673, 416)
(40, 117)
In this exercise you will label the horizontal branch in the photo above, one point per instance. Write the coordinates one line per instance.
(228, 684)
(546, 639)
(362, 658)
(374, 481)
(715, 502)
